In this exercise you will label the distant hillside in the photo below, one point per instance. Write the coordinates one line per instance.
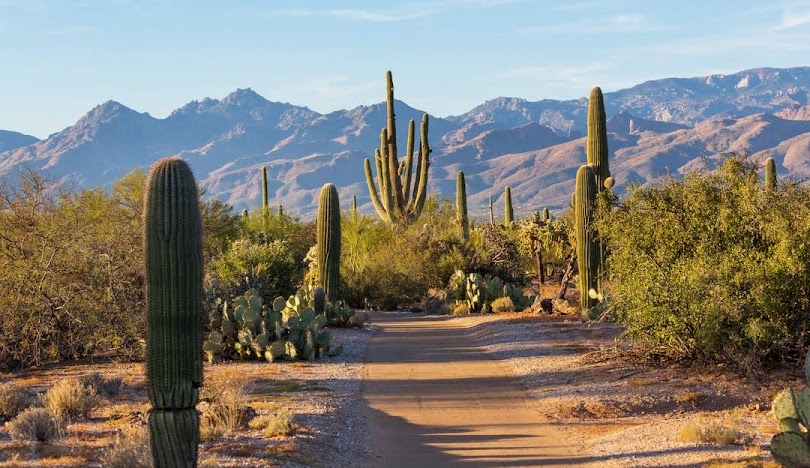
(657, 127)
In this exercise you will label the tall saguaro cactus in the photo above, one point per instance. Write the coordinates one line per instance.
(491, 213)
(328, 238)
(397, 201)
(770, 174)
(265, 205)
(461, 206)
(508, 213)
(546, 215)
(174, 276)
(597, 149)
(587, 248)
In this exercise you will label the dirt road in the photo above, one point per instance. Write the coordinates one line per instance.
(436, 398)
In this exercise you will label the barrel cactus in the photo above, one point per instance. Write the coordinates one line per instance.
(328, 233)
(587, 248)
(174, 291)
(791, 409)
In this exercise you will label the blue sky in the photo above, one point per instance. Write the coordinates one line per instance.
(62, 57)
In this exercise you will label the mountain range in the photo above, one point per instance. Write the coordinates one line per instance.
(656, 128)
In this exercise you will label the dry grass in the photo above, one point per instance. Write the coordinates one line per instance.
(13, 400)
(461, 308)
(503, 305)
(274, 425)
(106, 386)
(70, 399)
(37, 424)
(727, 430)
(224, 409)
(130, 449)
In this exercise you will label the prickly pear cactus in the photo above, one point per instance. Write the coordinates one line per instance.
(475, 292)
(790, 446)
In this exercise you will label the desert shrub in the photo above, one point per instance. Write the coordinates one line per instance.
(274, 425)
(728, 430)
(13, 400)
(105, 386)
(387, 266)
(224, 411)
(435, 302)
(72, 270)
(70, 399)
(713, 266)
(37, 424)
(130, 449)
(502, 255)
(269, 267)
(502, 305)
(461, 308)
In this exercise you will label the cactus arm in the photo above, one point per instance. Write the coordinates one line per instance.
(264, 192)
(424, 165)
(406, 185)
(372, 190)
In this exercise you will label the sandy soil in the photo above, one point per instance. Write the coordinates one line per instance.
(633, 414)
(322, 395)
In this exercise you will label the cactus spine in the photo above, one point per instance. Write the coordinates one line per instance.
(174, 274)
(770, 174)
(397, 201)
(587, 248)
(508, 214)
(461, 206)
(597, 149)
(265, 206)
(328, 233)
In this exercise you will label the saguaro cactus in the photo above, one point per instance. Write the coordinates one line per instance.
(587, 248)
(397, 202)
(280, 210)
(328, 237)
(491, 213)
(597, 149)
(265, 206)
(508, 214)
(174, 275)
(461, 206)
(354, 206)
(770, 174)
(546, 215)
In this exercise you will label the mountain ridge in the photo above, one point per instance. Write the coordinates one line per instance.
(655, 127)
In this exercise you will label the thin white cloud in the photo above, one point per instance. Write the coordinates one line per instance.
(380, 16)
(577, 77)
(623, 23)
(792, 19)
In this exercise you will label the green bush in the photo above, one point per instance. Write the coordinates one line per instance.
(713, 266)
(268, 267)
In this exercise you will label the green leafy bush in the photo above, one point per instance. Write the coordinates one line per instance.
(713, 266)
(269, 267)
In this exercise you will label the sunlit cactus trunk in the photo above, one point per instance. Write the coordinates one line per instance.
(546, 215)
(328, 238)
(461, 206)
(587, 248)
(597, 154)
(174, 275)
(770, 174)
(508, 213)
(398, 200)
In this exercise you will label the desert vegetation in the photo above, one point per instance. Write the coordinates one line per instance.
(708, 269)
